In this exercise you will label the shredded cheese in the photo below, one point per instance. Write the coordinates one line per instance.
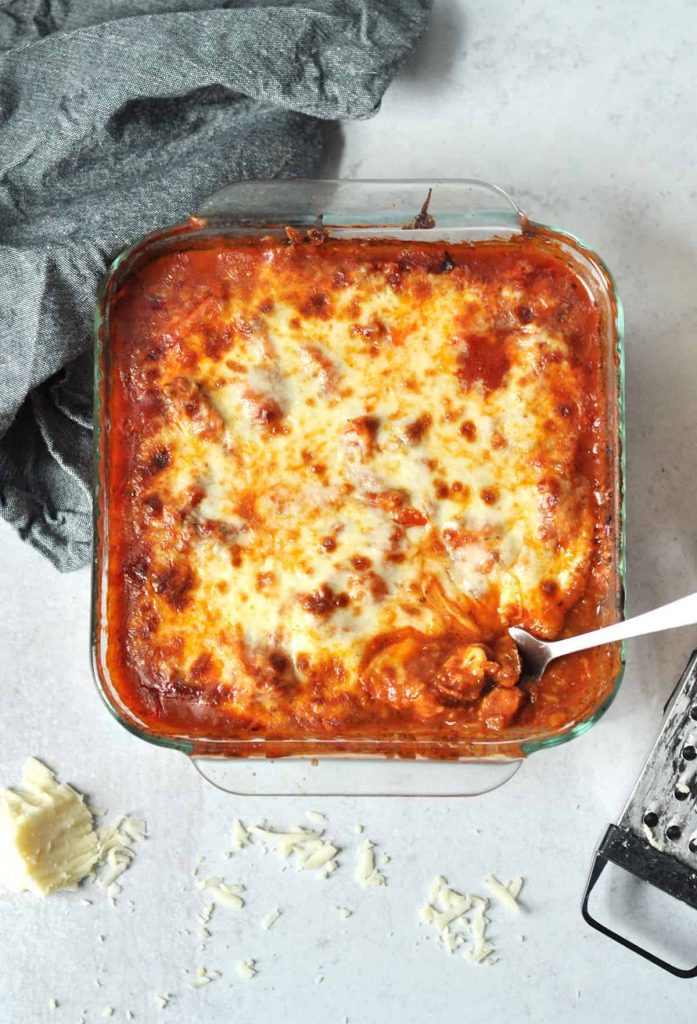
(222, 892)
(246, 969)
(367, 874)
(240, 835)
(269, 919)
(506, 895)
(307, 847)
(205, 913)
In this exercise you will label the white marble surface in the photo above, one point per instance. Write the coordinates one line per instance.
(585, 113)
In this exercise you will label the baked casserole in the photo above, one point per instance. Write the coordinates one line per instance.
(338, 471)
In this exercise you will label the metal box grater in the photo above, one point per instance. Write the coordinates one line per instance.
(656, 836)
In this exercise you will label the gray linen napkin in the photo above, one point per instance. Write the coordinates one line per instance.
(117, 117)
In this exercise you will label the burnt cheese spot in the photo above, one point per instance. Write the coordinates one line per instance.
(363, 430)
(174, 584)
(153, 503)
(468, 430)
(268, 414)
(377, 586)
(489, 495)
(417, 428)
(201, 666)
(317, 305)
(361, 562)
(410, 517)
(279, 662)
(324, 601)
(161, 458)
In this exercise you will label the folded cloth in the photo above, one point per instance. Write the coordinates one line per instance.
(117, 117)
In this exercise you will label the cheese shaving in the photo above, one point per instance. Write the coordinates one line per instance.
(457, 916)
(240, 835)
(657, 843)
(503, 893)
(307, 848)
(515, 887)
(205, 913)
(480, 947)
(204, 977)
(246, 969)
(344, 912)
(118, 860)
(367, 874)
(269, 919)
(135, 828)
(222, 892)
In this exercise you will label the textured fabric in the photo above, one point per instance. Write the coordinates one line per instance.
(117, 117)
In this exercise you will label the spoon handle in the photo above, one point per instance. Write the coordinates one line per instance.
(682, 612)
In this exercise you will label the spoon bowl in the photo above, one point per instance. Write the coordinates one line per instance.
(536, 654)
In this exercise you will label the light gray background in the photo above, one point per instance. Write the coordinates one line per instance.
(586, 114)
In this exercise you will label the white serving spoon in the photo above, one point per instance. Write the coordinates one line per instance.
(537, 654)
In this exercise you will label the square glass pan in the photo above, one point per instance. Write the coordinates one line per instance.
(450, 210)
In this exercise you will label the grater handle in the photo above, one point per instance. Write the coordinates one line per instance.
(682, 612)
(607, 852)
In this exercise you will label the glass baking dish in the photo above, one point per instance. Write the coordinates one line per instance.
(444, 210)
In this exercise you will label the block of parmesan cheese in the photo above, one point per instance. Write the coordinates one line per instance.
(47, 835)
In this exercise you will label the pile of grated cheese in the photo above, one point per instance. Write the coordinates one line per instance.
(460, 919)
(48, 839)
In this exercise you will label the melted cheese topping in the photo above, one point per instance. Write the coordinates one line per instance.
(351, 467)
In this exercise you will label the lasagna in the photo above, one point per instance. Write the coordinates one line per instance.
(338, 470)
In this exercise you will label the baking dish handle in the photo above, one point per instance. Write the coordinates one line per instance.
(298, 776)
(419, 204)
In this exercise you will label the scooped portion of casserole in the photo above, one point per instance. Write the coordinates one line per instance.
(338, 471)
